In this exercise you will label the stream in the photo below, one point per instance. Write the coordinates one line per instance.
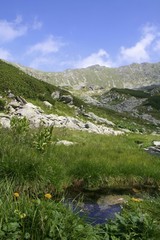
(97, 211)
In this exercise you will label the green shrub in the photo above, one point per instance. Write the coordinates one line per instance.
(19, 126)
(129, 226)
(2, 104)
(154, 101)
(42, 138)
(131, 92)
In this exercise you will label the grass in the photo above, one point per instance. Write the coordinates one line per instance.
(35, 166)
(94, 158)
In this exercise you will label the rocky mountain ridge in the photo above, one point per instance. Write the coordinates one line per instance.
(100, 77)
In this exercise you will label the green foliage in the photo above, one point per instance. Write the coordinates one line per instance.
(19, 125)
(130, 225)
(2, 104)
(154, 101)
(26, 217)
(39, 218)
(42, 138)
(131, 92)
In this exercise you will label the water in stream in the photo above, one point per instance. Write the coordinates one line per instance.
(97, 212)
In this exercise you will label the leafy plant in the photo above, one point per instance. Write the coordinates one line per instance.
(19, 125)
(130, 225)
(42, 138)
(2, 104)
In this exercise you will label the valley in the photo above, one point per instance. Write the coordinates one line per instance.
(55, 143)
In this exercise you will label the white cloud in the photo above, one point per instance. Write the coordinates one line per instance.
(157, 46)
(49, 45)
(140, 52)
(41, 61)
(5, 54)
(11, 30)
(101, 57)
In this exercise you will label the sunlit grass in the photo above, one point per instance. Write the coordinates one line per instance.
(33, 179)
(94, 158)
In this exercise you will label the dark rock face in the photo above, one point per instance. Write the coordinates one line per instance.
(66, 99)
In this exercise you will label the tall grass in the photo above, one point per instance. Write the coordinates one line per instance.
(31, 165)
(96, 159)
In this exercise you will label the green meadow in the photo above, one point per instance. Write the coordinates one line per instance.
(36, 173)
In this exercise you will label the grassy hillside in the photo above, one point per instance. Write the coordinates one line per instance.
(131, 92)
(22, 84)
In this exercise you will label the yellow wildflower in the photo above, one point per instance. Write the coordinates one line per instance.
(48, 195)
(136, 199)
(16, 194)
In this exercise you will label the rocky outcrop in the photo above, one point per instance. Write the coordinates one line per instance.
(37, 117)
(127, 105)
(154, 149)
(97, 119)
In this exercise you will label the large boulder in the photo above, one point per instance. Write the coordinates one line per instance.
(4, 120)
(55, 95)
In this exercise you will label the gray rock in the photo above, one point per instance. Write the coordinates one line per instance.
(5, 121)
(11, 95)
(37, 118)
(48, 104)
(92, 127)
(156, 143)
(21, 100)
(14, 104)
(55, 95)
(128, 105)
(100, 119)
(66, 99)
(65, 142)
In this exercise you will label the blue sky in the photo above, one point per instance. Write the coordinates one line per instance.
(54, 35)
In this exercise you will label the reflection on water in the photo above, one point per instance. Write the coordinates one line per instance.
(93, 212)
(97, 214)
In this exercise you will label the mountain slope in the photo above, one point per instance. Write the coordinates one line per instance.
(131, 76)
(14, 80)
